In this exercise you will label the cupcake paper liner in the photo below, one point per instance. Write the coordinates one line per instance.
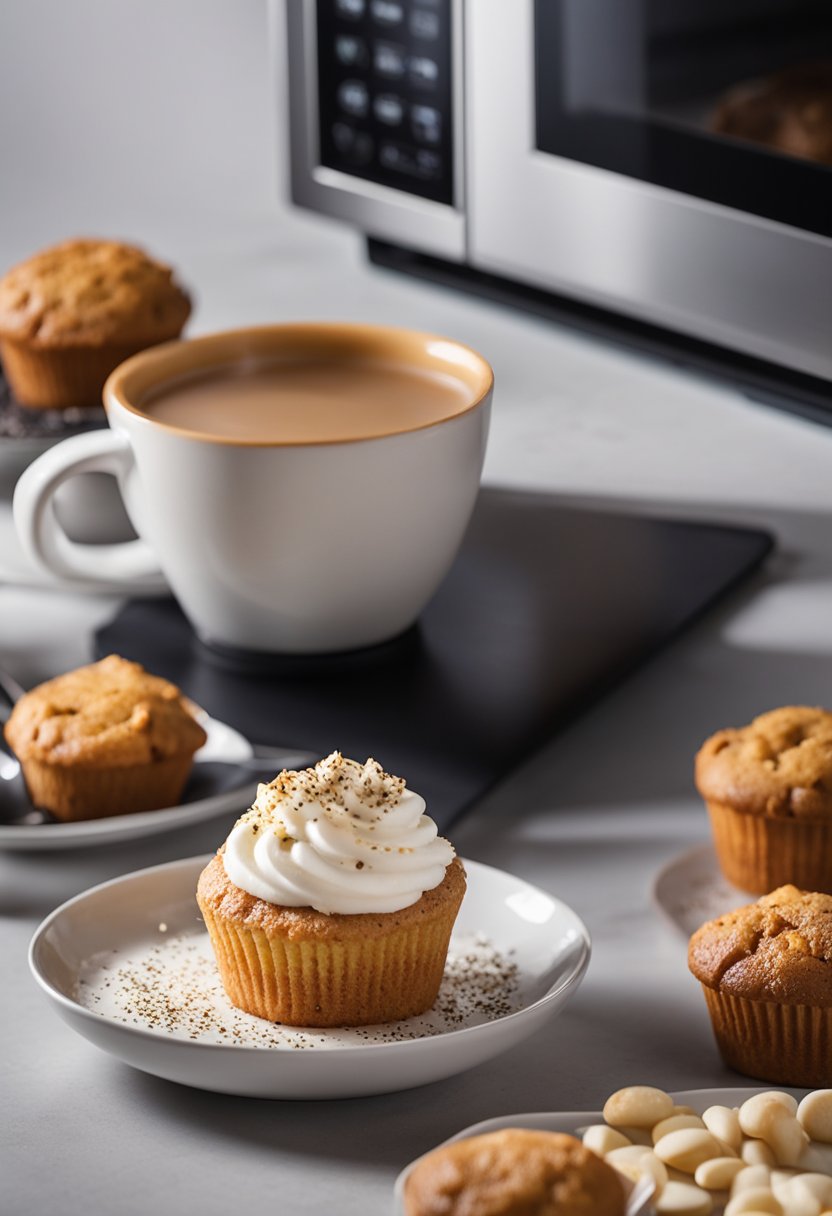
(347, 979)
(74, 793)
(758, 853)
(62, 377)
(786, 1044)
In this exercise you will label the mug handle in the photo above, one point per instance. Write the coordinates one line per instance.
(131, 563)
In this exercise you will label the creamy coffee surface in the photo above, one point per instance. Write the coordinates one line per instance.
(308, 401)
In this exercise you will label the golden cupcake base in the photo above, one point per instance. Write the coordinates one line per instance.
(61, 377)
(785, 1044)
(73, 792)
(302, 968)
(759, 853)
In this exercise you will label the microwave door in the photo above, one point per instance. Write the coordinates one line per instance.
(592, 169)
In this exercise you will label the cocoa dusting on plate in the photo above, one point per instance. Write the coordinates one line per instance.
(172, 987)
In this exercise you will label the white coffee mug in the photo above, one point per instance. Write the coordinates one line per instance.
(298, 546)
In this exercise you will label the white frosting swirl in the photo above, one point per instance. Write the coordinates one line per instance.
(339, 837)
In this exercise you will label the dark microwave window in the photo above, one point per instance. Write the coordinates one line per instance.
(384, 93)
(724, 100)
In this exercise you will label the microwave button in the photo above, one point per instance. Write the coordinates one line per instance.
(426, 122)
(352, 52)
(401, 159)
(389, 60)
(354, 98)
(388, 109)
(353, 9)
(387, 12)
(430, 164)
(355, 146)
(423, 71)
(424, 24)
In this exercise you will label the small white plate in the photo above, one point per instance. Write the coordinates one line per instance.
(136, 917)
(572, 1121)
(690, 890)
(203, 799)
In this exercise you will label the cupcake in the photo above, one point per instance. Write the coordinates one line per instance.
(72, 313)
(766, 972)
(332, 901)
(768, 790)
(514, 1173)
(107, 739)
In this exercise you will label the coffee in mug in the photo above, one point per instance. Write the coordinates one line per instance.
(303, 488)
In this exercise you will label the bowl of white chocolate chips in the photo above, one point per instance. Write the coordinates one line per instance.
(769, 1155)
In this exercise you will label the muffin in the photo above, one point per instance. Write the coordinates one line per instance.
(766, 972)
(107, 739)
(70, 314)
(768, 790)
(514, 1173)
(790, 112)
(332, 901)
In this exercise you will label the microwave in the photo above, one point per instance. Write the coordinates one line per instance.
(655, 170)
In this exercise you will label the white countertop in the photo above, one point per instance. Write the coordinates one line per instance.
(591, 818)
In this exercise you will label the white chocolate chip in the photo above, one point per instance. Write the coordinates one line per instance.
(637, 1135)
(815, 1115)
(756, 1152)
(757, 1199)
(753, 1177)
(684, 1199)
(724, 1123)
(636, 1162)
(637, 1106)
(766, 1117)
(816, 1158)
(674, 1124)
(688, 1148)
(718, 1173)
(602, 1139)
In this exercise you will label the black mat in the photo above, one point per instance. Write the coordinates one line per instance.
(546, 607)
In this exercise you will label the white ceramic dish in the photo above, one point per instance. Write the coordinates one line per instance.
(572, 1121)
(690, 889)
(546, 940)
(203, 799)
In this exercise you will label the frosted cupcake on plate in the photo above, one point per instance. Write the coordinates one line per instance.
(332, 901)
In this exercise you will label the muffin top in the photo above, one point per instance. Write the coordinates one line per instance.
(90, 293)
(514, 1173)
(780, 765)
(790, 111)
(109, 714)
(777, 950)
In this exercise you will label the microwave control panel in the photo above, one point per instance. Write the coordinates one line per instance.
(384, 93)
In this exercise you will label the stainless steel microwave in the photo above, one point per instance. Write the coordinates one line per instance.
(662, 165)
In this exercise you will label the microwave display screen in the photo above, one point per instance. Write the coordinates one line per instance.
(384, 93)
(726, 100)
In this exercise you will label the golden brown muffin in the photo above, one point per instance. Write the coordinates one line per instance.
(70, 314)
(768, 790)
(107, 739)
(307, 968)
(790, 112)
(514, 1173)
(766, 972)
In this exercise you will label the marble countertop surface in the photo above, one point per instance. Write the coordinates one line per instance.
(592, 817)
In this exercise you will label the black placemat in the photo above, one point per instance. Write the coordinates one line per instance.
(545, 608)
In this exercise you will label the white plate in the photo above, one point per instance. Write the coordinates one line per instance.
(572, 1121)
(139, 915)
(223, 743)
(690, 889)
